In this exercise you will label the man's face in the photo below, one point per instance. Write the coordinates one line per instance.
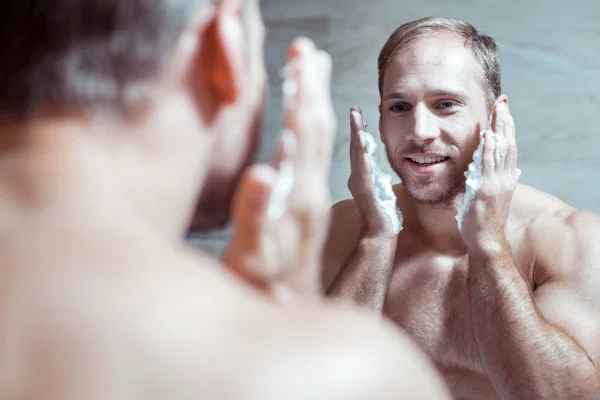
(238, 130)
(432, 110)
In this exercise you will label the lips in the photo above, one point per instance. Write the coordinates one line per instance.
(426, 164)
(427, 160)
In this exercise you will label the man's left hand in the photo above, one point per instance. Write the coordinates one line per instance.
(485, 223)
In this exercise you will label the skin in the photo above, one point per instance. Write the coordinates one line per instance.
(508, 308)
(100, 297)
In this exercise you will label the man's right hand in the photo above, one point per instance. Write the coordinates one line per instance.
(375, 223)
(280, 252)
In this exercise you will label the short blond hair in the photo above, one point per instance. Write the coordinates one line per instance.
(484, 49)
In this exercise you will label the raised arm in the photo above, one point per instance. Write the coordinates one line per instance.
(543, 343)
(364, 233)
(356, 269)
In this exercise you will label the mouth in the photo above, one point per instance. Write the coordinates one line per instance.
(427, 160)
(427, 165)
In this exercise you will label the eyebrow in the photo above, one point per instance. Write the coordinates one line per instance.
(397, 95)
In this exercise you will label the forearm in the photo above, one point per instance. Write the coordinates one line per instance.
(365, 277)
(524, 356)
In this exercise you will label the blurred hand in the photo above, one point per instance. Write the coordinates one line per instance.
(280, 214)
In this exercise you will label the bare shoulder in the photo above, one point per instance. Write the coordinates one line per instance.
(530, 205)
(256, 349)
(562, 236)
(566, 272)
(229, 342)
(327, 353)
(342, 238)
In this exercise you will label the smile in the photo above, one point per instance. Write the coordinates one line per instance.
(427, 165)
(428, 160)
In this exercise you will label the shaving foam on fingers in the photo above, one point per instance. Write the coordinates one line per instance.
(289, 87)
(382, 183)
(285, 178)
(474, 173)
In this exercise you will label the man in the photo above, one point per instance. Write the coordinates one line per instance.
(509, 306)
(113, 114)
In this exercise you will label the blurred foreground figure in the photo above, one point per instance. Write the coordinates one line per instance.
(115, 117)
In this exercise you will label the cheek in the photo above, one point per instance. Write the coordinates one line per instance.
(393, 130)
(462, 130)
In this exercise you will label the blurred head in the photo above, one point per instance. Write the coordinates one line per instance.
(438, 82)
(181, 80)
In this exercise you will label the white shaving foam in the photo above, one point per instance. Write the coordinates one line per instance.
(285, 177)
(382, 182)
(474, 174)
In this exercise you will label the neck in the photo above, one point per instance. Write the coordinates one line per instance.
(91, 167)
(435, 225)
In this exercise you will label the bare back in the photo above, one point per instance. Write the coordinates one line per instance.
(427, 294)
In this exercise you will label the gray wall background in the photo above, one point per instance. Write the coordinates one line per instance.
(550, 57)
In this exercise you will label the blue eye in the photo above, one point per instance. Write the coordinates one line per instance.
(447, 104)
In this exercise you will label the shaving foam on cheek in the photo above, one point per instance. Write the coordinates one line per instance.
(382, 182)
(285, 177)
(474, 174)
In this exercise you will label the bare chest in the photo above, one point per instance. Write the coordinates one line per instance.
(428, 297)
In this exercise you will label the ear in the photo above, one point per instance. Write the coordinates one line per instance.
(220, 58)
(500, 99)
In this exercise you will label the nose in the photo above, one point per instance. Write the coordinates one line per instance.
(425, 124)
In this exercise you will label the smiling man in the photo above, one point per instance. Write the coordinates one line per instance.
(507, 307)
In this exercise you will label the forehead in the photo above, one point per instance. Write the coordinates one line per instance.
(439, 61)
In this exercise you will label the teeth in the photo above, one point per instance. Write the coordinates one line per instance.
(428, 160)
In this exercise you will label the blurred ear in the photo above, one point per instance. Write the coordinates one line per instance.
(217, 66)
(224, 51)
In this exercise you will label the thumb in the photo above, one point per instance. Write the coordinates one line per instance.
(250, 206)
(252, 199)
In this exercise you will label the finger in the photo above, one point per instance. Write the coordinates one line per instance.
(360, 164)
(488, 156)
(303, 57)
(510, 133)
(255, 31)
(511, 145)
(500, 151)
(500, 127)
(499, 118)
(244, 253)
(304, 62)
(251, 201)
(312, 116)
(326, 66)
(511, 142)
(354, 140)
(284, 185)
(286, 148)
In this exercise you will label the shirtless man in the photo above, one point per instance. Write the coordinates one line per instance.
(113, 114)
(508, 307)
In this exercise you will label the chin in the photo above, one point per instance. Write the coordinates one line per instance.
(436, 191)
